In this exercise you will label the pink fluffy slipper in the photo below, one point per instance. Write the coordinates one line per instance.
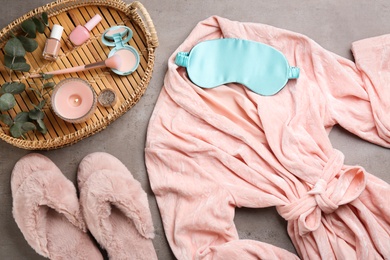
(46, 209)
(115, 208)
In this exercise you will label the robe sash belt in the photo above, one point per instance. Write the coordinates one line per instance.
(338, 185)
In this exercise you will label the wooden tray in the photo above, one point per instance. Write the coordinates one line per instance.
(130, 88)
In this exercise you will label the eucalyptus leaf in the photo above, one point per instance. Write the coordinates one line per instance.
(29, 44)
(13, 88)
(6, 119)
(47, 76)
(14, 51)
(49, 85)
(28, 126)
(22, 117)
(39, 25)
(36, 114)
(16, 129)
(29, 27)
(9, 60)
(14, 48)
(45, 18)
(41, 104)
(7, 101)
(41, 126)
(20, 66)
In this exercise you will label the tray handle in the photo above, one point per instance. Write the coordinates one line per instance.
(134, 6)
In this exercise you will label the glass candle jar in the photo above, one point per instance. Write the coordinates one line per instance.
(73, 100)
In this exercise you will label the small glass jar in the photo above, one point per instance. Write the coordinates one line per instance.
(107, 97)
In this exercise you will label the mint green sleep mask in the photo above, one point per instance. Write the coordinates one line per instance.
(259, 67)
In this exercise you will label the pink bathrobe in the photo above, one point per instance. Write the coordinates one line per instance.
(211, 150)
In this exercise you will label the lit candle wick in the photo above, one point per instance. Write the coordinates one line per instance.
(75, 100)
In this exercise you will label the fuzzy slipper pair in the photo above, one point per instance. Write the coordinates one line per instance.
(112, 206)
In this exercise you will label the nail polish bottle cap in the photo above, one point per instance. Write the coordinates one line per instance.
(93, 22)
(56, 32)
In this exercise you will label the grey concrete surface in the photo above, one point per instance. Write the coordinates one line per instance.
(333, 24)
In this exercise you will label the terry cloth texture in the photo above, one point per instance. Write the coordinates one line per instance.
(209, 151)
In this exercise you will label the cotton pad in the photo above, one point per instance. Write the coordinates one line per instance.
(259, 67)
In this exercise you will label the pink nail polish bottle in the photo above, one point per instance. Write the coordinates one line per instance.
(53, 44)
(81, 34)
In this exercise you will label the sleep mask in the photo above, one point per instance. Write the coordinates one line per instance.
(259, 67)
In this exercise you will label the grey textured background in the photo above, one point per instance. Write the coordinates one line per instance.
(333, 24)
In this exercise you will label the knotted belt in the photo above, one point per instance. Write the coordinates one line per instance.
(337, 186)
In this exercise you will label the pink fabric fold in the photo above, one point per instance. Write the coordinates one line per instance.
(327, 194)
(211, 150)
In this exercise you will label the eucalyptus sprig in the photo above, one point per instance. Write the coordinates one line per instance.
(14, 59)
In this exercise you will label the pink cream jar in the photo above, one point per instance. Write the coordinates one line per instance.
(73, 100)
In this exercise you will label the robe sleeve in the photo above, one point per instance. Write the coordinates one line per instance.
(362, 105)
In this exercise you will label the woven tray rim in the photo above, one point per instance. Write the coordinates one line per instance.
(140, 16)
